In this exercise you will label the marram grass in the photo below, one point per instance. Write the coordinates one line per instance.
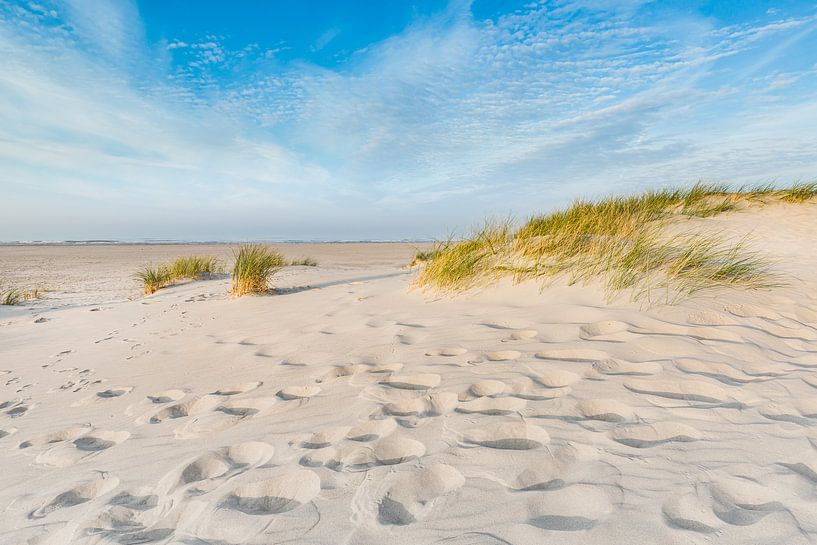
(154, 278)
(618, 240)
(254, 264)
(10, 296)
(14, 296)
(303, 262)
(193, 267)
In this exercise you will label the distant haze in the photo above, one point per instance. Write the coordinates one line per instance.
(215, 120)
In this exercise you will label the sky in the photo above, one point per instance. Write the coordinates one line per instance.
(385, 119)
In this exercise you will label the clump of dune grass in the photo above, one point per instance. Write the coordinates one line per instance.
(14, 296)
(10, 296)
(153, 278)
(192, 267)
(254, 264)
(423, 256)
(619, 240)
(800, 192)
(303, 262)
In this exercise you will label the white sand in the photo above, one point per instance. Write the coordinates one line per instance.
(351, 410)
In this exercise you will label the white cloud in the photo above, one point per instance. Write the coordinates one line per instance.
(448, 120)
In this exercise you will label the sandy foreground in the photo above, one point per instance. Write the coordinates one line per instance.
(350, 409)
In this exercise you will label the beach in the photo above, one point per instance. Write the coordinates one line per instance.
(350, 406)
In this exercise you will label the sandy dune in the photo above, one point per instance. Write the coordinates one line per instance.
(349, 409)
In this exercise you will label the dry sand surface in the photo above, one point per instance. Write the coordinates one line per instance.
(350, 409)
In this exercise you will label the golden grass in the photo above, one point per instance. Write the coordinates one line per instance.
(10, 296)
(254, 264)
(154, 278)
(303, 262)
(800, 192)
(619, 240)
(14, 296)
(193, 267)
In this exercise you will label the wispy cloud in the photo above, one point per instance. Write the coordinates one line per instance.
(430, 128)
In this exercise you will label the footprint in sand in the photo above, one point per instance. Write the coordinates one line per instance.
(557, 468)
(420, 381)
(611, 366)
(68, 434)
(710, 318)
(238, 389)
(325, 438)
(298, 392)
(503, 355)
(601, 329)
(372, 430)
(523, 335)
(354, 369)
(5, 432)
(69, 452)
(804, 463)
(719, 371)
(492, 406)
(571, 509)
(245, 407)
(686, 390)
(80, 494)
(166, 396)
(275, 495)
(801, 411)
(531, 390)
(485, 388)
(15, 408)
(127, 516)
(103, 395)
(555, 378)
(576, 355)
(436, 404)
(605, 410)
(511, 436)
(192, 407)
(406, 339)
(223, 463)
(397, 449)
(691, 512)
(114, 392)
(342, 371)
(448, 351)
(416, 494)
(742, 502)
(652, 435)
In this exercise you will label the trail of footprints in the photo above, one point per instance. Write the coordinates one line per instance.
(556, 486)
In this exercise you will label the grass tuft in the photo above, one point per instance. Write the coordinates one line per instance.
(14, 296)
(254, 264)
(620, 240)
(193, 267)
(800, 192)
(10, 297)
(303, 262)
(154, 278)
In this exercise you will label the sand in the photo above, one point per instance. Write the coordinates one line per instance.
(351, 409)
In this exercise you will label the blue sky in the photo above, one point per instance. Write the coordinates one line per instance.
(385, 119)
